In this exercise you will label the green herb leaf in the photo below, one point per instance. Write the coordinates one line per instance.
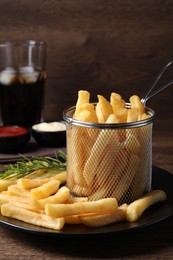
(27, 166)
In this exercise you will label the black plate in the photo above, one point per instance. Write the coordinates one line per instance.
(162, 210)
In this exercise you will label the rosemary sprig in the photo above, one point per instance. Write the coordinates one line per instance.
(27, 166)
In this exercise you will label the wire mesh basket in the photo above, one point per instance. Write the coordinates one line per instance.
(109, 160)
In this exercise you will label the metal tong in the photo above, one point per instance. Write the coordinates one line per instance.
(155, 89)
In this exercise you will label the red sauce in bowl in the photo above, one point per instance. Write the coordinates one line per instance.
(12, 131)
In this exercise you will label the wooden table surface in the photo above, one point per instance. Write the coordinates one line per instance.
(102, 46)
(152, 242)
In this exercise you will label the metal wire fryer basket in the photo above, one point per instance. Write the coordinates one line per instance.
(109, 160)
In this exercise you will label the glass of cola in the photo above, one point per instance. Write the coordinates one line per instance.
(22, 82)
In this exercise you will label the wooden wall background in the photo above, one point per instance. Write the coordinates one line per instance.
(98, 45)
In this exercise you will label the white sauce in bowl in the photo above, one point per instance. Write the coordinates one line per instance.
(50, 127)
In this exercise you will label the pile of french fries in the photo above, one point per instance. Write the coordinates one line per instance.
(108, 172)
(47, 203)
(87, 112)
(109, 162)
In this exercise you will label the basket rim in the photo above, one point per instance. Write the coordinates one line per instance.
(68, 113)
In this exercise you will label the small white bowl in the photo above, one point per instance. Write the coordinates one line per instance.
(52, 134)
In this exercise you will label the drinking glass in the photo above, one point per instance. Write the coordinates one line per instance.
(22, 82)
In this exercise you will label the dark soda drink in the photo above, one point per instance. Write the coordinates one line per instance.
(21, 96)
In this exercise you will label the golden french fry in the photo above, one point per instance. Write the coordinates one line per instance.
(144, 116)
(115, 179)
(126, 177)
(81, 190)
(31, 217)
(61, 196)
(113, 119)
(132, 114)
(103, 109)
(16, 191)
(62, 210)
(85, 116)
(122, 114)
(136, 208)
(117, 102)
(4, 184)
(45, 190)
(87, 113)
(37, 174)
(5, 198)
(24, 205)
(131, 143)
(83, 97)
(142, 178)
(100, 220)
(76, 199)
(78, 159)
(26, 183)
(61, 176)
(107, 139)
(107, 178)
(70, 179)
(136, 102)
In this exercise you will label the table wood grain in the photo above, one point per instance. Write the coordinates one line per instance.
(101, 46)
(152, 242)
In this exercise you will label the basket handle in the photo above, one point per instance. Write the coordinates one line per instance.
(156, 89)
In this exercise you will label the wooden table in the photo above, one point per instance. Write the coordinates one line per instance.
(102, 46)
(152, 242)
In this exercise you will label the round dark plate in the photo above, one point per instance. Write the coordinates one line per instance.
(160, 211)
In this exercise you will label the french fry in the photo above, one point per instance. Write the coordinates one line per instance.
(70, 167)
(126, 177)
(41, 201)
(132, 114)
(26, 183)
(79, 157)
(131, 143)
(45, 190)
(136, 208)
(100, 220)
(142, 178)
(107, 179)
(61, 176)
(87, 113)
(122, 114)
(83, 97)
(103, 109)
(24, 205)
(136, 103)
(117, 102)
(62, 210)
(9, 210)
(105, 140)
(81, 190)
(37, 174)
(4, 198)
(76, 199)
(61, 196)
(4, 184)
(144, 116)
(16, 191)
(85, 116)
